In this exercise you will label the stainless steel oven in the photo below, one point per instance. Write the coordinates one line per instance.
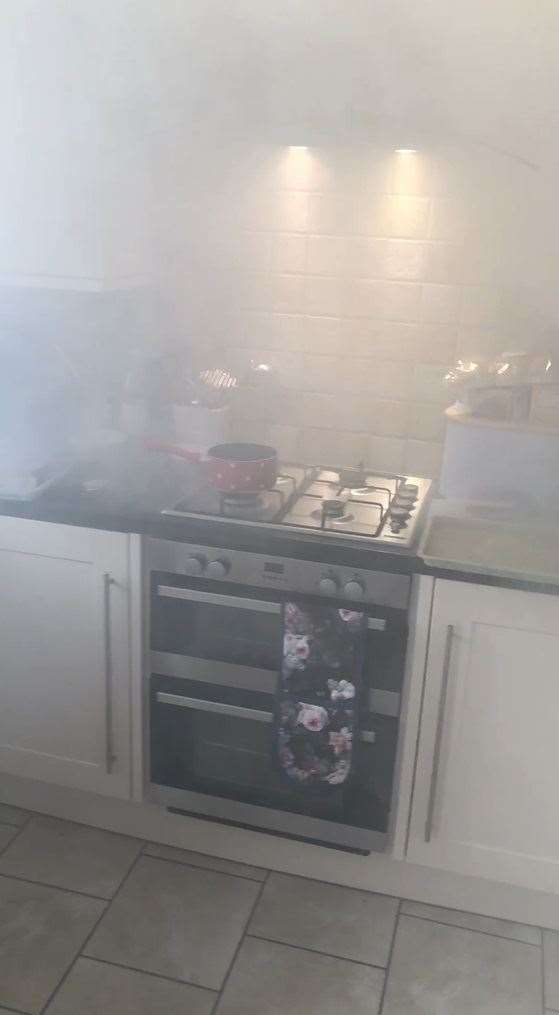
(215, 643)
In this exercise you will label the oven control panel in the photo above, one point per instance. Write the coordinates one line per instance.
(380, 588)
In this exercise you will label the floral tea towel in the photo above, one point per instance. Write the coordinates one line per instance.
(318, 693)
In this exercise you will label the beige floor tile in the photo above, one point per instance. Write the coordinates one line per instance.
(339, 921)
(275, 979)
(441, 970)
(95, 988)
(70, 856)
(41, 930)
(176, 921)
(472, 921)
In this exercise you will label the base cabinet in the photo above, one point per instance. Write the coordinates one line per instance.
(65, 655)
(486, 793)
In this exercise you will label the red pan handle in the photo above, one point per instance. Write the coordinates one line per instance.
(155, 444)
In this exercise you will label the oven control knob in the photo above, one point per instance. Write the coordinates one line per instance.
(218, 568)
(328, 585)
(354, 589)
(194, 565)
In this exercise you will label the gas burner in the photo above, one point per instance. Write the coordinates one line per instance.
(243, 503)
(332, 511)
(334, 508)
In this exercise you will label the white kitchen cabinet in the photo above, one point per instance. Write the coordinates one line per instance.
(65, 655)
(486, 794)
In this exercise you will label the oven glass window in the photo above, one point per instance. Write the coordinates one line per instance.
(223, 633)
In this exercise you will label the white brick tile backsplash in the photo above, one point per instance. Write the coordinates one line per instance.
(254, 251)
(320, 373)
(331, 447)
(321, 334)
(422, 458)
(440, 304)
(444, 262)
(289, 252)
(364, 257)
(426, 422)
(428, 384)
(324, 295)
(254, 291)
(289, 211)
(481, 305)
(401, 216)
(386, 454)
(435, 343)
(333, 214)
(328, 255)
(448, 220)
(287, 440)
(403, 260)
(358, 275)
(381, 300)
(286, 292)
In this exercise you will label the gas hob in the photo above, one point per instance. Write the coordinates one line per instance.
(327, 503)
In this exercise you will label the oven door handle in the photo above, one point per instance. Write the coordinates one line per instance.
(235, 711)
(240, 602)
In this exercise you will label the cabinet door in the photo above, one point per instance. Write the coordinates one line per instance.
(486, 795)
(64, 655)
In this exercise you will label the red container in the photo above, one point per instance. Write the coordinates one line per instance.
(231, 468)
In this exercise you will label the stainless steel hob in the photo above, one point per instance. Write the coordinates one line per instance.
(342, 503)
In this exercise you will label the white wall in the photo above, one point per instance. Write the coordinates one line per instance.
(152, 140)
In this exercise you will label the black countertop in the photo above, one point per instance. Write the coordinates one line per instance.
(133, 504)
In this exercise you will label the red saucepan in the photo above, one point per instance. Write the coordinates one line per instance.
(231, 468)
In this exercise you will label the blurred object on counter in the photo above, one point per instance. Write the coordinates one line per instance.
(201, 407)
(102, 457)
(148, 396)
(488, 459)
(200, 426)
(504, 389)
(544, 410)
(39, 410)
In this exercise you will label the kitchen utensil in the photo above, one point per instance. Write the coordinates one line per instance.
(230, 468)
(215, 386)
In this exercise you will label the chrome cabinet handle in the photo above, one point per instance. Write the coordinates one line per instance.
(235, 711)
(240, 602)
(110, 756)
(439, 734)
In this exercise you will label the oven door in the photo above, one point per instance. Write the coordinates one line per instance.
(214, 663)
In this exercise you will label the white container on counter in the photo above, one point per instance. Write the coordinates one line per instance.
(494, 460)
(200, 427)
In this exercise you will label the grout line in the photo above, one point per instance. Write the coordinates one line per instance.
(107, 905)
(390, 954)
(12, 824)
(472, 930)
(239, 945)
(542, 971)
(56, 888)
(338, 884)
(147, 972)
(315, 951)
(211, 870)
(20, 829)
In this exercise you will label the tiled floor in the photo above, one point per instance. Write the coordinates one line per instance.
(92, 922)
